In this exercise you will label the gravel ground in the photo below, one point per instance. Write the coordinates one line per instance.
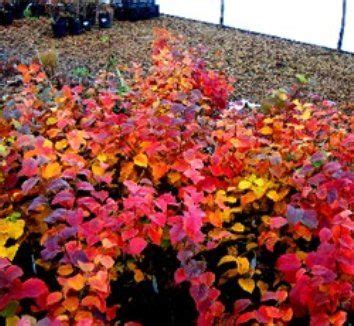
(259, 63)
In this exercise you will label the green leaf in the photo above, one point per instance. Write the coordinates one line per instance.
(104, 38)
(9, 310)
(13, 217)
(3, 149)
(301, 79)
(317, 164)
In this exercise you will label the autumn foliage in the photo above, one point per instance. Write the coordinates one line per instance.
(256, 204)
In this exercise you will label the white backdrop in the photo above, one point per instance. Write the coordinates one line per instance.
(348, 42)
(310, 21)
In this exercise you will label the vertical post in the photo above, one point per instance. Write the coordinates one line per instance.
(342, 26)
(222, 11)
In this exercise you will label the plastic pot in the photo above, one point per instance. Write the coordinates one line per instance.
(18, 10)
(6, 17)
(60, 27)
(75, 26)
(37, 10)
(104, 20)
(86, 24)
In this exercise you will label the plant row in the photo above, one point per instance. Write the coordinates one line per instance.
(254, 206)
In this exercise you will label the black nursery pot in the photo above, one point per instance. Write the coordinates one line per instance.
(104, 20)
(6, 17)
(60, 27)
(86, 24)
(18, 10)
(37, 10)
(75, 26)
(121, 13)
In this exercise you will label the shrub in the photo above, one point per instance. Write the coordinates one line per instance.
(256, 204)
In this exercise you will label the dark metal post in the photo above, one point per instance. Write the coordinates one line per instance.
(222, 10)
(342, 26)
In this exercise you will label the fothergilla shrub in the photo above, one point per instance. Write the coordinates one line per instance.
(252, 207)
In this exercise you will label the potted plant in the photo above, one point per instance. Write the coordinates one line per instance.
(38, 9)
(105, 16)
(6, 14)
(87, 20)
(91, 13)
(18, 9)
(75, 25)
(59, 22)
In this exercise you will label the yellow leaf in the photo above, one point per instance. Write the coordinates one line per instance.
(102, 157)
(9, 252)
(268, 120)
(51, 170)
(306, 115)
(12, 229)
(12, 321)
(141, 160)
(247, 284)
(51, 121)
(238, 227)
(244, 184)
(97, 169)
(227, 259)
(266, 130)
(47, 143)
(259, 182)
(243, 265)
(61, 144)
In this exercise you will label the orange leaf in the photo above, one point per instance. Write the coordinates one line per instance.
(71, 303)
(138, 275)
(76, 282)
(266, 130)
(248, 198)
(159, 170)
(65, 270)
(51, 170)
(22, 69)
(91, 300)
(54, 297)
(97, 169)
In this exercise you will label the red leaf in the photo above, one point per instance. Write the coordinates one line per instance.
(29, 167)
(180, 276)
(277, 222)
(32, 288)
(137, 245)
(289, 264)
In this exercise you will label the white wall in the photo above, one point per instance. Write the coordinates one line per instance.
(310, 21)
(203, 10)
(348, 41)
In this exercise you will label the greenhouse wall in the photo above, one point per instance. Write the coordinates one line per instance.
(309, 21)
(348, 41)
